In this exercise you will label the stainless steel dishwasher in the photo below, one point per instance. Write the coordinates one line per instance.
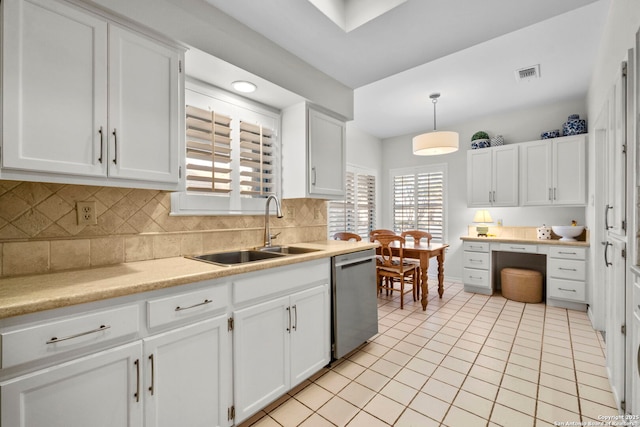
(354, 301)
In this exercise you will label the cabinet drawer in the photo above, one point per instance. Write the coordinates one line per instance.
(515, 247)
(474, 277)
(476, 260)
(476, 246)
(163, 311)
(566, 289)
(567, 252)
(57, 337)
(566, 269)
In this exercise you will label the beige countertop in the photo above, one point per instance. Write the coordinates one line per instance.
(523, 241)
(30, 294)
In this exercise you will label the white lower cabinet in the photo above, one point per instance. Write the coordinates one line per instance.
(566, 274)
(100, 390)
(278, 344)
(476, 262)
(188, 375)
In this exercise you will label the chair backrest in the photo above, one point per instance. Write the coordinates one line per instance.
(417, 236)
(386, 254)
(345, 235)
(379, 231)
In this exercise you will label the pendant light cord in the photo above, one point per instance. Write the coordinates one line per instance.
(434, 100)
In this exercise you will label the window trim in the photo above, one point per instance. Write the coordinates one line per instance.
(414, 170)
(184, 203)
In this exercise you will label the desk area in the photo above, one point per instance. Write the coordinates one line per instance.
(562, 264)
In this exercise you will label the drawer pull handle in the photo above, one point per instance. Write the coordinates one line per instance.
(518, 248)
(567, 253)
(93, 331)
(567, 290)
(475, 260)
(567, 269)
(207, 301)
(475, 277)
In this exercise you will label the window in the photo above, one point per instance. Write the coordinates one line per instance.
(419, 200)
(357, 212)
(232, 156)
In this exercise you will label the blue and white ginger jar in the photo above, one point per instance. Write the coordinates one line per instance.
(574, 126)
(480, 143)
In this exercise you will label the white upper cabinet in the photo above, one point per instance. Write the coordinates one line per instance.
(313, 154)
(85, 100)
(492, 176)
(554, 172)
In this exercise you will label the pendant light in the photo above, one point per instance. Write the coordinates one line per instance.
(436, 142)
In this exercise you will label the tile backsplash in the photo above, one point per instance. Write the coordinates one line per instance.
(39, 231)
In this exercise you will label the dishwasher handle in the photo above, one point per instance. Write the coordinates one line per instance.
(354, 262)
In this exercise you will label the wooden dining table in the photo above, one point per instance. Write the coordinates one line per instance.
(424, 252)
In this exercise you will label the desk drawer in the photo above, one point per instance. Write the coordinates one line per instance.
(566, 289)
(566, 269)
(516, 247)
(61, 336)
(476, 260)
(567, 252)
(163, 311)
(476, 246)
(474, 277)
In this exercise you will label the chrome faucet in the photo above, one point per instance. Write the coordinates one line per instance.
(267, 233)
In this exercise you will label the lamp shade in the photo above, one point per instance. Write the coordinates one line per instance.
(436, 142)
(482, 216)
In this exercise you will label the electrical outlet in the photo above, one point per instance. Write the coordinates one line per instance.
(86, 213)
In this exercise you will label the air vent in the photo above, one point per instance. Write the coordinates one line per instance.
(528, 73)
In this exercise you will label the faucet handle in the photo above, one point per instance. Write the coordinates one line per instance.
(273, 236)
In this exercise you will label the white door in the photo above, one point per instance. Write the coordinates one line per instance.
(54, 84)
(261, 355)
(97, 391)
(536, 163)
(479, 185)
(326, 155)
(143, 108)
(310, 334)
(616, 159)
(569, 175)
(505, 176)
(187, 376)
(615, 316)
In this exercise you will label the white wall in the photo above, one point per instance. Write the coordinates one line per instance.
(363, 150)
(516, 126)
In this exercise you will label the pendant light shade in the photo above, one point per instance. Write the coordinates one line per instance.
(436, 142)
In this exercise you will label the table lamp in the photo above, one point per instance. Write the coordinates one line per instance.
(482, 217)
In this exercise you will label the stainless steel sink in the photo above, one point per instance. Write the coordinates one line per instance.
(287, 250)
(237, 257)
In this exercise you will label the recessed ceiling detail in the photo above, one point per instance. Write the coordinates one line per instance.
(351, 14)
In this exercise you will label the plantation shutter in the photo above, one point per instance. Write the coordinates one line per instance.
(208, 151)
(356, 213)
(256, 160)
(418, 203)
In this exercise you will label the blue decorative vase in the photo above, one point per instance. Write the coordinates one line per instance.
(574, 126)
(480, 143)
(550, 134)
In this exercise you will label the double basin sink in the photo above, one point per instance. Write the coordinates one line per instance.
(251, 255)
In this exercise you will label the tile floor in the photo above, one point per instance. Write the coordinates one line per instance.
(468, 360)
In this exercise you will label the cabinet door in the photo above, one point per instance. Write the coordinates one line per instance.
(143, 108)
(569, 171)
(505, 176)
(310, 337)
(479, 186)
(187, 375)
(261, 355)
(326, 155)
(616, 160)
(536, 166)
(97, 391)
(615, 282)
(54, 80)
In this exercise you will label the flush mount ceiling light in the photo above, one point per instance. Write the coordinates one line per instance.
(244, 86)
(436, 142)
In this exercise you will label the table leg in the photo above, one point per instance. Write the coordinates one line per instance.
(424, 268)
(441, 273)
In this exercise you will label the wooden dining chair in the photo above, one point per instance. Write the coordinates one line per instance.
(374, 233)
(345, 235)
(394, 267)
(417, 236)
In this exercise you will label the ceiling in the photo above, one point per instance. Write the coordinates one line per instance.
(467, 50)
